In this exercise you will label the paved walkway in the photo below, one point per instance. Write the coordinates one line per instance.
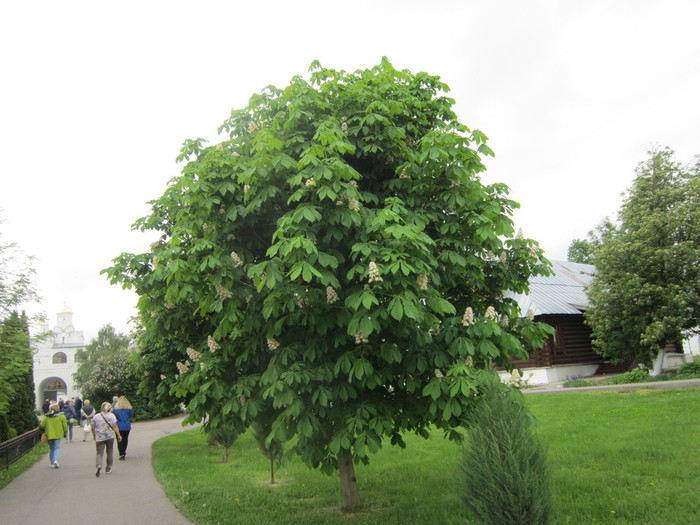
(555, 388)
(72, 495)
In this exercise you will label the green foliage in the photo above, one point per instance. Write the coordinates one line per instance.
(503, 473)
(225, 434)
(636, 375)
(17, 400)
(108, 342)
(688, 371)
(114, 374)
(272, 448)
(585, 250)
(646, 290)
(337, 257)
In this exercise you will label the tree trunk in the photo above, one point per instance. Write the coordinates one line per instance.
(348, 483)
(658, 363)
(272, 470)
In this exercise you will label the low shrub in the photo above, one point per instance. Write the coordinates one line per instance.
(575, 381)
(688, 370)
(633, 376)
(503, 478)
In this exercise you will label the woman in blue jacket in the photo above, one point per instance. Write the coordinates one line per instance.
(122, 409)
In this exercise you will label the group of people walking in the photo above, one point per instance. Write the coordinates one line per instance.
(113, 422)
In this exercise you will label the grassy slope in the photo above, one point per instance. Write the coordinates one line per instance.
(629, 456)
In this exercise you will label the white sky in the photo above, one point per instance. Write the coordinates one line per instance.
(97, 98)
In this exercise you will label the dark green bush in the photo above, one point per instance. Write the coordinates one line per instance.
(633, 376)
(503, 477)
(688, 370)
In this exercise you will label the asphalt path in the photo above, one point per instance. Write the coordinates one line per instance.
(558, 388)
(72, 495)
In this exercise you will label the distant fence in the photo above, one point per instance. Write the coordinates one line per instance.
(15, 448)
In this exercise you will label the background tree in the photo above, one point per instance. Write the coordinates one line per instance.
(337, 256)
(17, 398)
(646, 290)
(585, 250)
(108, 342)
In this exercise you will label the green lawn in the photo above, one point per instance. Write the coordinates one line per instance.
(628, 457)
(23, 463)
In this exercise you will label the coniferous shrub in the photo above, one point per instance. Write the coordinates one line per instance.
(503, 476)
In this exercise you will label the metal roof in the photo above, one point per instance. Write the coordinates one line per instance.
(561, 293)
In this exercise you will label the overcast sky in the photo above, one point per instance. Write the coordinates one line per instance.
(98, 97)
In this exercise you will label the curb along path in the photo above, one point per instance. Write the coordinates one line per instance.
(557, 388)
(72, 495)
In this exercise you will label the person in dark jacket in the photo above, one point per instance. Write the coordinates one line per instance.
(45, 406)
(71, 417)
(78, 405)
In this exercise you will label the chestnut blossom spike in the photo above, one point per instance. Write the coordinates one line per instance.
(219, 147)
(331, 295)
(212, 344)
(360, 338)
(252, 127)
(181, 367)
(223, 293)
(310, 182)
(374, 276)
(272, 344)
(354, 204)
(193, 354)
(344, 127)
(505, 321)
(490, 313)
(235, 154)
(422, 282)
(531, 314)
(520, 234)
(438, 373)
(237, 261)
(468, 317)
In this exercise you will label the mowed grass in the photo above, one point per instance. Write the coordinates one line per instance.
(628, 456)
(24, 463)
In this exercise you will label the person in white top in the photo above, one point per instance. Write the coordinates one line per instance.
(104, 428)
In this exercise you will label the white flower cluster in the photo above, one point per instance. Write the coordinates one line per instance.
(219, 147)
(212, 344)
(237, 261)
(235, 154)
(205, 227)
(360, 338)
(310, 182)
(223, 293)
(272, 344)
(403, 175)
(374, 276)
(503, 257)
(531, 314)
(354, 204)
(353, 183)
(468, 317)
(181, 367)
(193, 354)
(252, 127)
(302, 302)
(246, 188)
(438, 373)
(490, 313)
(422, 282)
(331, 295)
(505, 321)
(344, 127)
(533, 251)
(163, 377)
(520, 234)
(169, 306)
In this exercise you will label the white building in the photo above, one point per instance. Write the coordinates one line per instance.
(54, 359)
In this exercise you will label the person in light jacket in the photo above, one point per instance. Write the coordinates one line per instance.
(55, 426)
(104, 428)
